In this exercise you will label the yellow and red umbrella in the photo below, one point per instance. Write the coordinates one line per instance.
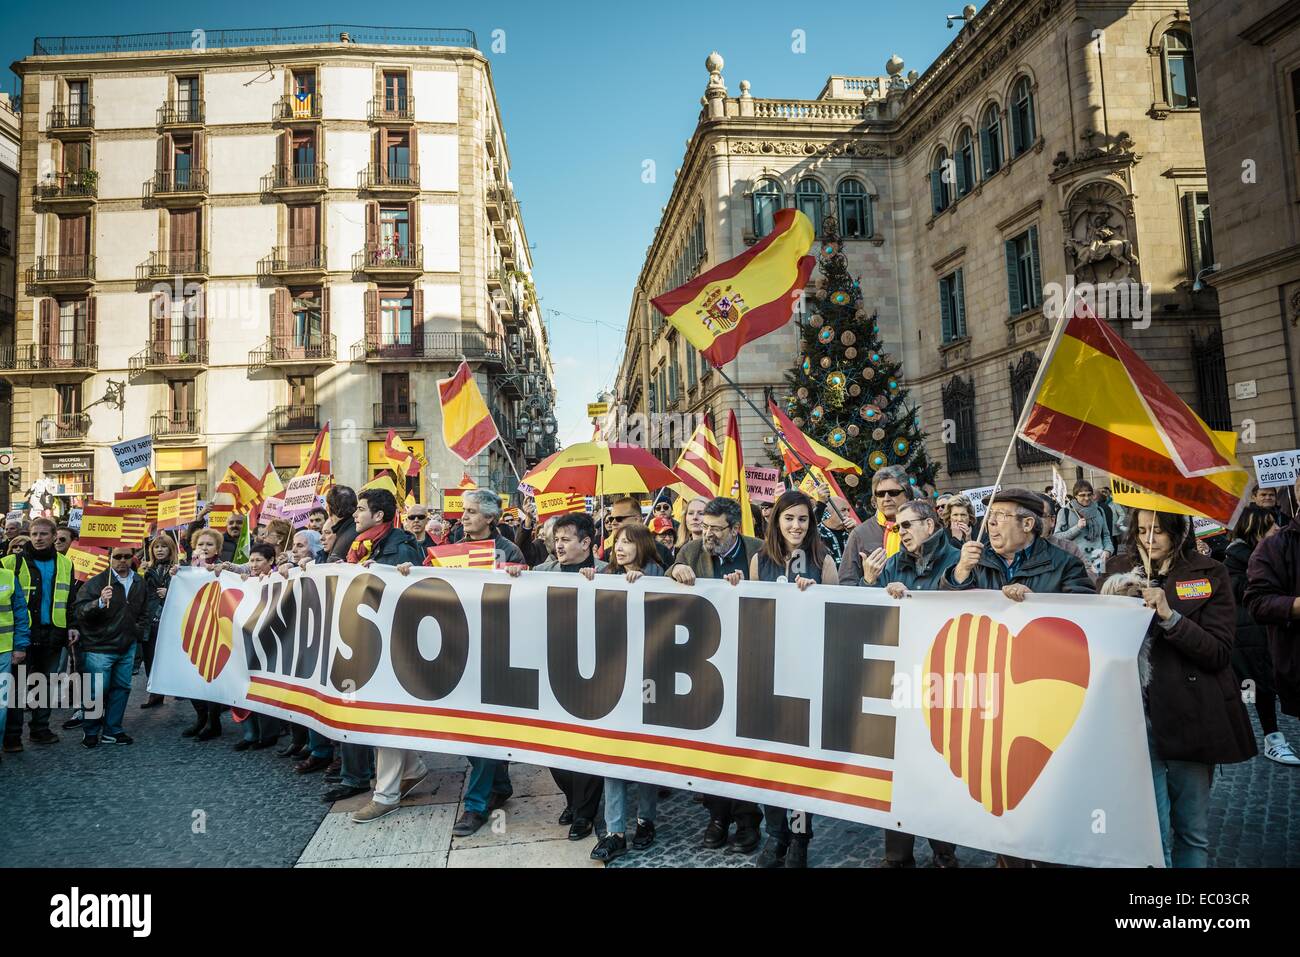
(600, 468)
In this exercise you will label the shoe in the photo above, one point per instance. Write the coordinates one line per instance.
(566, 816)
(410, 784)
(609, 848)
(580, 828)
(498, 799)
(213, 730)
(797, 856)
(898, 865)
(312, 765)
(193, 730)
(90, 741)
(13, 745)
(468, 823)
(107, 738)
(333, 777)
(773, 854)
(294, 751)
(945, 861)
(153, 701)
(120, 738)
(336, 767)
(243, 745)
(342, 793)
(73, 722)
(44, 736)
(747, 840)
(1275, 749)
(644, 836)
(372, 811)
(715, 835)
(262, 745)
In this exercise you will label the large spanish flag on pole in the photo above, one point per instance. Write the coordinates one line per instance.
(731, 482)
(810, 453)
(700, 464)
(745, 297)
(1098, 403)
(467, 426)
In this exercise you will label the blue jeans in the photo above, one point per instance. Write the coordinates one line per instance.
(7, 685)
(647, 801)
(357, 765)
(115, 675)
(1183, 807)
(321, 746)
(486, 776)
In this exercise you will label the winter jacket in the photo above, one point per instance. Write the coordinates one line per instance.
(1044, 570)
(1272, 585)
(397, 547)
(553, 565)
(922, 572)
(1237, 561)
(1193, 701)
(126, 620)
(700, 560)
(155, 577)
(866, 537)
(345, 530)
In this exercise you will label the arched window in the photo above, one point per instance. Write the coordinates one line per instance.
(1023, 129)
(810, 199)
(768, 198)
(855, 210)
(965, 162)
(1179, 67)
(941, 183)
(991, 140)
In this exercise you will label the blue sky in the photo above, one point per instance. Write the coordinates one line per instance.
(588, 92)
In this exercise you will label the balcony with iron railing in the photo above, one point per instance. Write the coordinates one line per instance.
(480, 346)
(296, 178)
(62, 427)
(64, 356)
(175, 354)
(295, 418)
(67, 270)
(501, 286)
(70, 186)
(391, 108)
(176, 423)
(389, 259)
(500, 208)
(179, 185)
(390, 177)
(394, 415)
(173, 262)
(70, 117)
(291, 109)
(293, 260)
(293, 350)
(180, 113)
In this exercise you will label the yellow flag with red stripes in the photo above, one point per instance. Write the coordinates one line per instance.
(467, 425)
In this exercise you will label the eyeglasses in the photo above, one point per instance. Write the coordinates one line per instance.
(906, 526)
(417, 518)
(997, 518)
(716, 529)
(663, 507)
(621, 518)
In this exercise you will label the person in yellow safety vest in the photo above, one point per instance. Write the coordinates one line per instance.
(45, 577)
(15, 630)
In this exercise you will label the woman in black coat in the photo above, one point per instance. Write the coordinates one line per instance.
(156, 571)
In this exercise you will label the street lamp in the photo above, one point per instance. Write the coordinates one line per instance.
(1198, 286)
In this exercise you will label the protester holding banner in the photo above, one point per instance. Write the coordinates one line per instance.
(890, 488)
(665, 535)
(1273, 599)
(157, 573)
(1195, 716)
(626, 510)
(482, 509)
(206, 546)
(832, 529)
(1083, 521)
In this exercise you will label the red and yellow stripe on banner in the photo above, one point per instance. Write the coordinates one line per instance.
(106, 526)
(87, 562)
(558, 503)
(178, 507)
(467, 425)
(807, 777)
(147, 500)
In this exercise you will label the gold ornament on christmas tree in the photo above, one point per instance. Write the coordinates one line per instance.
(851, 352)
(851, 480)
(826, 362)
(848, 338)
(868, 373)
(815, 321)
(855, 390)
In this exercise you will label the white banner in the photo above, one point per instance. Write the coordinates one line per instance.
(1276, 469)
(978, 496)
(1011, 727)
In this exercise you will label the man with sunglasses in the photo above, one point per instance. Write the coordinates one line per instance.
(416, 521)
(890, 488)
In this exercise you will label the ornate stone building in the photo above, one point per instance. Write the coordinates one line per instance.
(1051, 142)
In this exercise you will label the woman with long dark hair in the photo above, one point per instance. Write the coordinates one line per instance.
(156, 570)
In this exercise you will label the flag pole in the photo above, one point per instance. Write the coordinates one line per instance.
(519, 478)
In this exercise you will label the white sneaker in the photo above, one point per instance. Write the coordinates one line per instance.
(1277, 749)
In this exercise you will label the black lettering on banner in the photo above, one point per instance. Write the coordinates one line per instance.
(249, 627)
(276, 629)
(502, 684)
(309, 628)
(848, 677)
(420, 677)
(327, 622)
(665, 659)
(361, 635)
(594, 697)
(760, 712)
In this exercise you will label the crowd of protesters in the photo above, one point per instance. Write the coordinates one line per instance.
(1207, 652)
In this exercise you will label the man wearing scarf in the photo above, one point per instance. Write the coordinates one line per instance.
(890, 488)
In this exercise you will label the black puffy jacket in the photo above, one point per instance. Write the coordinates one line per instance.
(125, 621)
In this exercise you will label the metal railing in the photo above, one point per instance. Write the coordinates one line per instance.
(289, 259)
(293, 348)
(430, 345)
(295, 418)
(257, 36)
(62, 427)
(175, 422)
(35, 357)
(382, 257)
(71, 184)
(176, 351)
(173, 262)
(71, 116)
(180, 113)
(388, 108)
(394, 415)
(288, 108)
(390, 176)
(171, 181)
(296, 176)
(62, 268)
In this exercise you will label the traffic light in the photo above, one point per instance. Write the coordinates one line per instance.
(15, 480)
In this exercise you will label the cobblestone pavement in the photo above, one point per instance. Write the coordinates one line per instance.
(139, 805)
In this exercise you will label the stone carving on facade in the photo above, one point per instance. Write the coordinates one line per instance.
(806, 148)
(954, 354)
(1109, 152)
(1098, 224)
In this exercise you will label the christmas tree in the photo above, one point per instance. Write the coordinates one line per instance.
(848, 392)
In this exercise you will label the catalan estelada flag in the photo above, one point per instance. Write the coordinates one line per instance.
(462, 555)
(1099, 404)
(467, 425)
(144, 483)
(813, 453)
(745, 297)
(700, 464)
(731, 482)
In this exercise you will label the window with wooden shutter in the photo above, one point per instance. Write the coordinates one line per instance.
(160, 310)
(372, 228)
(48, 336)
(1013, 277)
(201, 322)
(324, 315)
(280, 317)
(959, 408)
(413, 145)
(372, 318)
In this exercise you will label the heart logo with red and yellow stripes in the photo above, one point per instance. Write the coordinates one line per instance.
(999, 705)
(206, 631)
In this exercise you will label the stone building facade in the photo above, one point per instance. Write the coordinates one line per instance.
(10, 143)
(227, 244)
(1053, 141)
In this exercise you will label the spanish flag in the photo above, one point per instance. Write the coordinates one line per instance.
(1101, 405)
(144, 483)
(813, 453)
(731, 482)
(700, 464)
(386, 481)
(467, 426)
(745, 297)
(401, 459)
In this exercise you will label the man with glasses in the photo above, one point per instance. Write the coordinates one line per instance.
(113, 610)
(724, 553)
(890, 488)
(416, 522)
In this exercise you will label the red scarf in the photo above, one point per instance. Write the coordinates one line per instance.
(364, 544)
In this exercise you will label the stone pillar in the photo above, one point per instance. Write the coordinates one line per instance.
(716, 92)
